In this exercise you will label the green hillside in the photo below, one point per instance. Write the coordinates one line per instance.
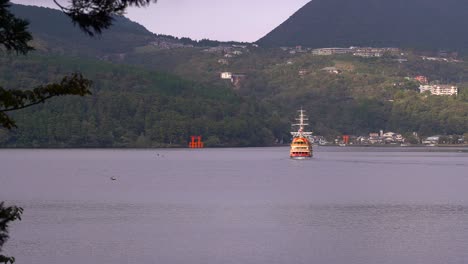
(130, 107)
(367, 95)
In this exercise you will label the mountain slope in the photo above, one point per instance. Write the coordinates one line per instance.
(54, 31)
(130, 107)
(426, 24)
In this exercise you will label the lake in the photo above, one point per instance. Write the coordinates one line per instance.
(248, 205)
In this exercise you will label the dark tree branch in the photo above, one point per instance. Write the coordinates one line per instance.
(27, 105)
(7, 215)
(59, 5)
(6, 122)
(11, 100)
(93, 16)
(13, 31)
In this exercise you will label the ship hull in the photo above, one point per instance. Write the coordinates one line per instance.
(295, 157)
(300, 148)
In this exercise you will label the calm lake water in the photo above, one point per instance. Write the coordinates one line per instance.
(347, 205)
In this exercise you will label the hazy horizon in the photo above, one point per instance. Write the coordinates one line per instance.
(242, 20)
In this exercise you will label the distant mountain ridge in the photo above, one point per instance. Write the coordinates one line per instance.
(56, 29)
(423, 24)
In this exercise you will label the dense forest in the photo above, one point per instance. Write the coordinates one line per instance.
(132, 106)
(129, 107)
(148, 96)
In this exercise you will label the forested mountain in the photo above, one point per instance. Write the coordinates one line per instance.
(130, 107)
(423, 24)
(53, 31)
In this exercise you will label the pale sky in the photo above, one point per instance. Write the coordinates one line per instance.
(239, 20)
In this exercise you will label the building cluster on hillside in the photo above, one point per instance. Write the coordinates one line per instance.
(295, 50)
(440, 59)
(421, 79)
(392, 138)
(439, 89)
(321, 140)
(303, 72)
(223, 61)
(365, 52)
(435, 88)
(381, 138)
(372, 139)
(228, 51)
(449, 139)
(235, 78)
(234, 53)
(332, 70)
(218, 49)
(431, 140)
(169, 43)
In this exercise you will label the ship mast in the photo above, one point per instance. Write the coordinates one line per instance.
(302, 123)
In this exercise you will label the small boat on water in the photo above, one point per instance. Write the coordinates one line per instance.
(301, 145)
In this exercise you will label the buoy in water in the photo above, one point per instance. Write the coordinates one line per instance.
(113, 178)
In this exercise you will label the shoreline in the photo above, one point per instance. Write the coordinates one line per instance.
(239, 147)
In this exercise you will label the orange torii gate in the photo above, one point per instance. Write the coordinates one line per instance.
(196, 142)
(346, 139)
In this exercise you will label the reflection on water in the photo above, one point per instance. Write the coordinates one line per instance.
(237, 206)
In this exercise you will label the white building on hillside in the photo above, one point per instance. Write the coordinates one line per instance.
(226, 75)
(432, 140)
(331, 70)
(331, 51)
(439, 89)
